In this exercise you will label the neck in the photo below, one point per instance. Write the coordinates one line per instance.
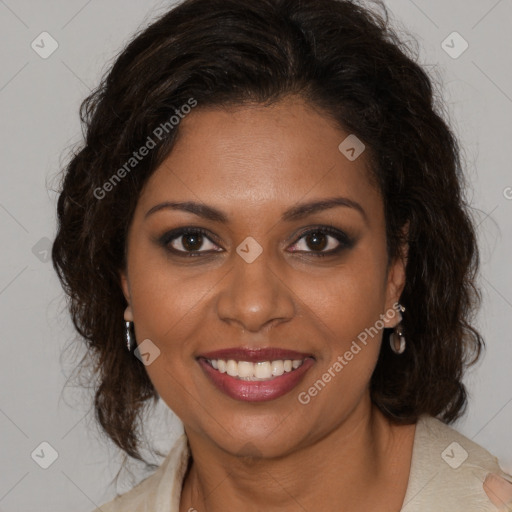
(352, 465)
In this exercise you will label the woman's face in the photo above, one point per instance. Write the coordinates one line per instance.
(265, 272)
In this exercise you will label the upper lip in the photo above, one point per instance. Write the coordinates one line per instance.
(255, 355)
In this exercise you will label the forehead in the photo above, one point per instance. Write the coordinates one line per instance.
(256, 158)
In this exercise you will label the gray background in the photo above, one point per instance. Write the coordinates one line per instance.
(39, 123)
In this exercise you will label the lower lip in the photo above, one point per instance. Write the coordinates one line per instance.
(256, 391)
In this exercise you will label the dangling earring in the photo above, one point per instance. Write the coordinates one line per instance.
(397, 338)
(129, 336)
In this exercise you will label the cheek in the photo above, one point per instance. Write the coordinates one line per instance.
(349, 298)
(346, 312)
(165, 297)
(346, 308)
(167, 307)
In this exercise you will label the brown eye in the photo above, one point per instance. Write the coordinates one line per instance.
(192, 241)
(316, 241)
(188, 241)
(323, 242)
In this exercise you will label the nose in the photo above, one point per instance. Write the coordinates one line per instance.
(254, 296)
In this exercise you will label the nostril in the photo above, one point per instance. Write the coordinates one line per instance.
(498, 490)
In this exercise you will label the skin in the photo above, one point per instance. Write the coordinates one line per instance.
(338, 452)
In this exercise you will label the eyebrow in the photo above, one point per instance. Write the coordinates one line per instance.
(295, 213)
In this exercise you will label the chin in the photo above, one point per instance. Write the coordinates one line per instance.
(260, 439)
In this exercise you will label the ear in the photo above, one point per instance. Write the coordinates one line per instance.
(125, 286)
(396, 282)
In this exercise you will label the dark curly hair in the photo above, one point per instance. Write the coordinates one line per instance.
(344, 60)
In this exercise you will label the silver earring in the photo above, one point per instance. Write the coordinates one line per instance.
(129, 336)
(397, 338)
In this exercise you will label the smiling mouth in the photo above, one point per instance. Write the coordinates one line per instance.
(255, 374)
(257, 371)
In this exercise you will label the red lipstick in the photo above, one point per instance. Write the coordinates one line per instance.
(255, 390)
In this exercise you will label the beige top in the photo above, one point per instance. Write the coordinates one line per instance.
(447, 474)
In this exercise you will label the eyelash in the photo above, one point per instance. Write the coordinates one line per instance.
(344, 240)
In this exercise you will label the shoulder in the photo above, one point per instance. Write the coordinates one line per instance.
(451, 472)
(158, 492)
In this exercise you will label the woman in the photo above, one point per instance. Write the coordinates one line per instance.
(266, 229)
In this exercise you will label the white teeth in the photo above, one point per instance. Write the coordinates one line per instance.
(245, 369)
(232, 368)
(277, 368)
(262, 370)
(221, 365)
